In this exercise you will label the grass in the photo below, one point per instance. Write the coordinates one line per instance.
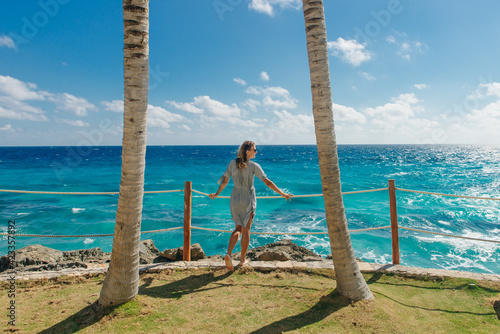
(247, 301)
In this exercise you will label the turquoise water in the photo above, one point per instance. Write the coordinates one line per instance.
(458, 169)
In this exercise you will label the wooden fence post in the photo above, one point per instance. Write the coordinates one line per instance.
(394, 222)
(186, 254)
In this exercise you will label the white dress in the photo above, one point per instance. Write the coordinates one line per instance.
(243, 202)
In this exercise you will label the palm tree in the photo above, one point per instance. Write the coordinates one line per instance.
(122, 280)
(350, 282)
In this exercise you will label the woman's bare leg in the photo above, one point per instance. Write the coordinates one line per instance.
(233, 239)
(245, 241)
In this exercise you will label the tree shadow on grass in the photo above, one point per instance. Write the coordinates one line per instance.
(496, 307)
(428, 308)
(80, 320)
(93, 313)
(179, 288)
(327, 305)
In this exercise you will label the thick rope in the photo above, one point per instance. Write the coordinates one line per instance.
(82, 236)
(448, 235)
(448, 195)
(83, 193)
(283, 233)
(166, 191)
(299, 196)
(364, 191)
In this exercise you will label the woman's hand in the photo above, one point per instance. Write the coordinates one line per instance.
(287, 197)
(213, 196)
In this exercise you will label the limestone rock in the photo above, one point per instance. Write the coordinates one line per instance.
(147, 252)
(176, 254)
(170, 254)
(283, 250)
(273, 255)
(92, 255)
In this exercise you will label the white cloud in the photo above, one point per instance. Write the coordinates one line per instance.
(21, 115)
(242, 122)
(294, 124)
(216, 108)
(490, 112)
(406, 47)
(7, 127)
(77, 123)
(264, 76)
(20, 90)
(240, 81)
(390, 39)
(13, 104)
(185, 106)
(185, 127)
(421, 86)
(492, 89)
(159, 117)
(114, 106)
(347, 114)
(349, 51)
(214, 122)
(288, 103)
(399, 111)
(367, 76)
(73, 104)
(478, 120)
(212, 112)
(274, 97)
(7, 41)
(268, 6)
(251, 103)
(14, 93)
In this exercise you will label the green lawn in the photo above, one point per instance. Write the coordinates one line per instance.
(247, 301)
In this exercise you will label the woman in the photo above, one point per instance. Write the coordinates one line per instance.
(243, 202)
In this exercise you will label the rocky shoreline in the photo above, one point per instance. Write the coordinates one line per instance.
(35, 258)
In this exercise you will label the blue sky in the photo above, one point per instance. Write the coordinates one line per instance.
(224, 71)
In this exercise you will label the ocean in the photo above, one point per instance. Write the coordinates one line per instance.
(451, 169)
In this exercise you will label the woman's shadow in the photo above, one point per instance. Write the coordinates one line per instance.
(185, 286)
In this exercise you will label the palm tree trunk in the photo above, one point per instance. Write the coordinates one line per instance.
(122, 279)
(350, 282)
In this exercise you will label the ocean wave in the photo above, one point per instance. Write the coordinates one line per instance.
(444, 222)
(88, 241)
(77, 210)
(461, 262)
(377, 258)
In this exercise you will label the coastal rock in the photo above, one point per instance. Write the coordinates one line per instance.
(92, 255)
(283, 250)
(273, 255)
(32, 255)
(147, 252)
(40, 258)
(176, 254)
(170, 254)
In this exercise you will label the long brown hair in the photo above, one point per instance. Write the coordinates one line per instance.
(241, 160)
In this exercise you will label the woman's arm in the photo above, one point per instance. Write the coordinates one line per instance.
(223, 184)
(272, 186)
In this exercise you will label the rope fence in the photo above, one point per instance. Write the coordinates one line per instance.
(83, 235)
(187, 216)
(448, 235)
(288, 233)
(82, 193)
(448, 195)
